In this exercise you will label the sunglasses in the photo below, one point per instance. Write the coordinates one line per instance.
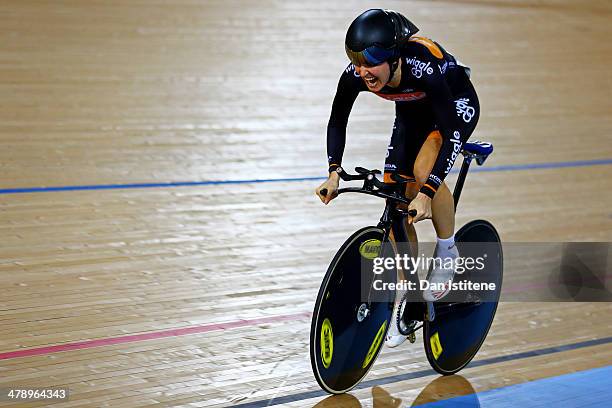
(369, 57)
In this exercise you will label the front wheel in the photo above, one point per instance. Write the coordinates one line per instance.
(348, 324)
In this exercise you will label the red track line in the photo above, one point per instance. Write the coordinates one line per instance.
(204, 328)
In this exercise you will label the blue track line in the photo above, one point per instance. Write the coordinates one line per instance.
(511, 167)
(589, 388)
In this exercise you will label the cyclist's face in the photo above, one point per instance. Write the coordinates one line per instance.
(374, 77)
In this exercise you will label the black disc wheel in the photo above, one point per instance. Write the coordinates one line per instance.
(460, 328)
(349, 323)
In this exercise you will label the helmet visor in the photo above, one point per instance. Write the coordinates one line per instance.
(369, 57)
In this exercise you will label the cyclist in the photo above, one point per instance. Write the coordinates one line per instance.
(436, 110)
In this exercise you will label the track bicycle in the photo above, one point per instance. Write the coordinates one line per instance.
(351, 318)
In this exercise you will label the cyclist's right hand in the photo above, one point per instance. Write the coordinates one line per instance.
(331, 185)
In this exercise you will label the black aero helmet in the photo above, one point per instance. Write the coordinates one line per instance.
(374, 37)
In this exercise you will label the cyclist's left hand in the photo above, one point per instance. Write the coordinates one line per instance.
(422, 205)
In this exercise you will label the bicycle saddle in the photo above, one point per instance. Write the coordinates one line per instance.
(479, 150)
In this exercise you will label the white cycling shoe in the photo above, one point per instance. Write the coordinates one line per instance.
(441, 276)
(394, 338)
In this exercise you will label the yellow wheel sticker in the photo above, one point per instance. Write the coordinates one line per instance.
(436, 346)
(370, 249)
(327, 343)
(375, 344)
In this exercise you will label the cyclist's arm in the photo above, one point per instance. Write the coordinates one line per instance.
(444, 110)
(346, 93)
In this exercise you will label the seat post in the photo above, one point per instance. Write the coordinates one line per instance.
(467, 160)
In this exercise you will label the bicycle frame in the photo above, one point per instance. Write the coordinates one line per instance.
(392, 218)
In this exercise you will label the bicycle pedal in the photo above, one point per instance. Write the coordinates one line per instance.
(410, 328)
(412, 337)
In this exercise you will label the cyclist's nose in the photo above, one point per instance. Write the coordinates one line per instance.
(361, 71)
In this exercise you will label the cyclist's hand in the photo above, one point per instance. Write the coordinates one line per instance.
(422, 205)
(331, 185)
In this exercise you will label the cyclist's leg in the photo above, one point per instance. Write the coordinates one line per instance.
(443, 204)
(401, 154)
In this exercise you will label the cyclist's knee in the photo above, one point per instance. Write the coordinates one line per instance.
(421, 175)
(412, 189)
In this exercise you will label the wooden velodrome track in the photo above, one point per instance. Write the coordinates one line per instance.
(200, 295)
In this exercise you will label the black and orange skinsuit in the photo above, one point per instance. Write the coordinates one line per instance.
(435, 98)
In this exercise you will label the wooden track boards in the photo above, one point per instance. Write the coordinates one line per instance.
(139, 92)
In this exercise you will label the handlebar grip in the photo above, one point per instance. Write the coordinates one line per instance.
(412, 213)
(323, 192)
